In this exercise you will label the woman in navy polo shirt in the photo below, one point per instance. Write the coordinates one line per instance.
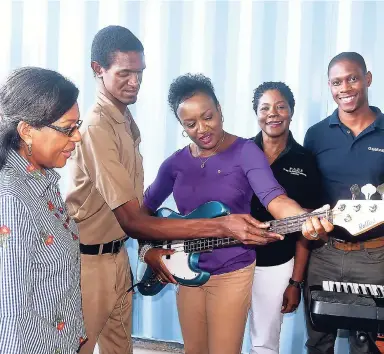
(280, 266)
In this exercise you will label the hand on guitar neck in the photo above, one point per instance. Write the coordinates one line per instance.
(317, 226)
(253, 233)
(312, 225)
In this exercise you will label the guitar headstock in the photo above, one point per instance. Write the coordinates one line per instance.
(358, 216)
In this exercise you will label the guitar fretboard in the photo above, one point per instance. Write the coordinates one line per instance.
(282, 227)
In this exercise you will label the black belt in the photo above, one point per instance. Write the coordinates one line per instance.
(102, 248)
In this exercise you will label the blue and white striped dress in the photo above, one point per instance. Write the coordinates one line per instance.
(40, 299)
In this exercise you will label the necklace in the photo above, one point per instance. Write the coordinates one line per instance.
(276, 153)
(213, 153)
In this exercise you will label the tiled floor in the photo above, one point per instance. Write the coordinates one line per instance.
(140, 351)
(145, 351)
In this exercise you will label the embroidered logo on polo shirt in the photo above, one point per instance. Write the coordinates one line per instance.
(295, 171)
(375, 149)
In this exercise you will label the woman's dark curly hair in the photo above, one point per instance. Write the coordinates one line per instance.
(185, 86)
(273, 85)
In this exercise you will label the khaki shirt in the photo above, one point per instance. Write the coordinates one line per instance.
(106, 171)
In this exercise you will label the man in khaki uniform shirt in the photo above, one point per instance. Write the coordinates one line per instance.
(105, 195)
(106, 171)
(107, 138)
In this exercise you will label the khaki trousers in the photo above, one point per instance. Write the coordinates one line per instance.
(106, 305)
(213, 316)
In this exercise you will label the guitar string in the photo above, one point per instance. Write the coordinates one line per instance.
(182, 247)
(297, 218)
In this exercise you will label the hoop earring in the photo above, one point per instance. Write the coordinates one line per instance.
(185, 136)
(29, 149)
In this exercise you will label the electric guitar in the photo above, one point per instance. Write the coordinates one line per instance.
(356, 216)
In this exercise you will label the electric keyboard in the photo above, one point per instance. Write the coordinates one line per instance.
(345, 305)
(354, 288)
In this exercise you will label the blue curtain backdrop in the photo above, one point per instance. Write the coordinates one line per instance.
(239, 44)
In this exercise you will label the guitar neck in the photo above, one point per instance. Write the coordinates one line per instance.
(207, 244)
(294, 223)
(282, 227)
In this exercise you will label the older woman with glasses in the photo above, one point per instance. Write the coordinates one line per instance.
(40, 301)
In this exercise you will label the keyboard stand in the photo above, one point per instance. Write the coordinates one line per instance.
(363, 337)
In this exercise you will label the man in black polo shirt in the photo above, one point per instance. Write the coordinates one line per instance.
(349, 149)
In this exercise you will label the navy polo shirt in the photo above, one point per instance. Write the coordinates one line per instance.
(344, 160)
(296, 171)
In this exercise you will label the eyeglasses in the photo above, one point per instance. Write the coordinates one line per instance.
(67, 131)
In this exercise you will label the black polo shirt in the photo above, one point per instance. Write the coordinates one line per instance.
(344, 160)
(295, 169)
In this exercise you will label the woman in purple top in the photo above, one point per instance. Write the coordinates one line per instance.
(223, 167)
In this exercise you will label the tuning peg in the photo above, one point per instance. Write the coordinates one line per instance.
(368, 190)
(380, 190)
(355, 190)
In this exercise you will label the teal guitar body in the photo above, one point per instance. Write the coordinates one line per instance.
(184, 263)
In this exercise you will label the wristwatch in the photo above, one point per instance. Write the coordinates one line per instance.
(296, 284)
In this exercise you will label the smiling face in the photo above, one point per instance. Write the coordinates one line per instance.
(51, 148)
(202, 120)
(273, 113)
(349, 85)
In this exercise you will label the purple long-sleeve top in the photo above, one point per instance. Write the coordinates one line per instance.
(231, 177)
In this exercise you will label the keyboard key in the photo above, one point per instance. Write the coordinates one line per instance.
(374, 290)
(368, 289)
(332, 286)
(363, 290)
(326, 286)
(356, 287)
(343, 287)
(350, 288)
(338, 286)
(380, 290)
